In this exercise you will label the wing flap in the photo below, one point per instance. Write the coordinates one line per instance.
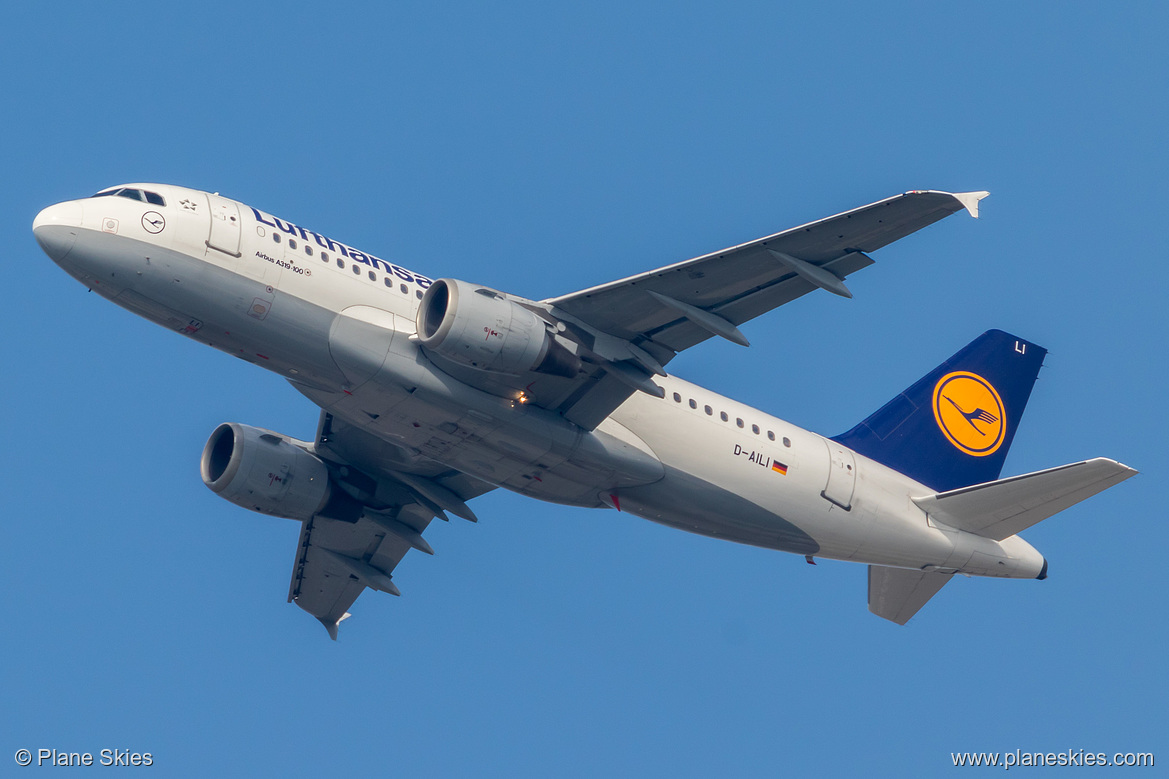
(896, 594)
(1003, 508)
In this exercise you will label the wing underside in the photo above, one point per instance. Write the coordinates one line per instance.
(338, 557)
(742, 282)
(638, 324)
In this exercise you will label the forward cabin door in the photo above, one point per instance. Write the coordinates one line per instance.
(225, 226)
(841, 475)
(224, 240)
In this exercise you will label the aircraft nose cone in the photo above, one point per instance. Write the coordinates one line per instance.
(56, 228)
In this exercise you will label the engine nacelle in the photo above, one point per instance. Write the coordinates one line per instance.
(480, 328)
(264, 472)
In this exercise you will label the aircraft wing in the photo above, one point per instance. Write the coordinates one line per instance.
(742, 282)
(636, 325)
(338, 557)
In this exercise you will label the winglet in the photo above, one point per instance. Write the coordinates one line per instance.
(332, 627)
(969, 201)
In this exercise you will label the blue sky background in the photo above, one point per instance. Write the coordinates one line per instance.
(543, 148)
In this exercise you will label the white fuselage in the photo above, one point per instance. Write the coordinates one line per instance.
(338, 323)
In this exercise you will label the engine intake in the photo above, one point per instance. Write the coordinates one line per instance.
(264, 472)
(482, 329)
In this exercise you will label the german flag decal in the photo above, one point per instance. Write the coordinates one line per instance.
(779, 467)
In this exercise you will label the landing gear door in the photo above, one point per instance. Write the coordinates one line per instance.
(841, 475)
(225, 226)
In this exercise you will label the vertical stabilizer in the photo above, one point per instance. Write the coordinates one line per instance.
(953, 428)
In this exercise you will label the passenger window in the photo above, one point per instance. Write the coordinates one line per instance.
(372, 276)
(708, 410)
(403, 288)
(677, 398)
(739, 422)
(291, 243)
(389, 282)
(770, 435)
(356, 269)
(276, 237)
(693, 403)
(324, 256)
(723, 416)
(418, 294)
(340, 263)
(755, 429)
(787, 442)
(308, 250)
(156, 199)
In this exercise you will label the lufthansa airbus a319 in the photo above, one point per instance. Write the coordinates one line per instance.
(433, 392)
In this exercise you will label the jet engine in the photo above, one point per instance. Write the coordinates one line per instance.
(264, 472)
(480, 328)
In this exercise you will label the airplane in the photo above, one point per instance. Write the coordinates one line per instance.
(435, 391)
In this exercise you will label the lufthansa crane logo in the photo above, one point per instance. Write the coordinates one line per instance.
(152, 222)
(970, 413)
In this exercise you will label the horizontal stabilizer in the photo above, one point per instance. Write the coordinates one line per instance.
(896, 594)
(1003, 508)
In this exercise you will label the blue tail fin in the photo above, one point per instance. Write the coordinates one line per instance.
(954, 427)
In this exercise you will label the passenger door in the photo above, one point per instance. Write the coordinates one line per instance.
(841, 475)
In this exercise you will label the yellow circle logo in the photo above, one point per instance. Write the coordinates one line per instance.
(970, 413)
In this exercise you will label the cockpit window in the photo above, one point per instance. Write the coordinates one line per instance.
(134, 194)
